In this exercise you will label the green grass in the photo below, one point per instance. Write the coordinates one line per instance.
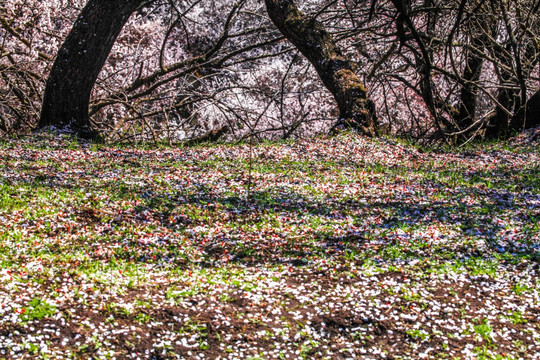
(149, 238)
(37, 309)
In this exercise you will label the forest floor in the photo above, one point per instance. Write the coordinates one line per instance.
(333, 248)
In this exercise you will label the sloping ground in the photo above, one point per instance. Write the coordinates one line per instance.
(335, 248)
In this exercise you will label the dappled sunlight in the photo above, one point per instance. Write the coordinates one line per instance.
(330, 246)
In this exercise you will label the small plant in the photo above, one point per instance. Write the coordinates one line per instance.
(410, 295)
(520, 346)
(142, 318)
(37, 309)
(126, 311)
(483, 353)
(83, 348)
(97, 344)
(194, 328)
(226, 298)
(517, 318)
(417, 334)
(357, 335)
(520, 288)
(255, 321)
(350, 255)
(307, 348)
(203, 345)
(32, 348)
(479, 266)
(110, 307)
(484, 330)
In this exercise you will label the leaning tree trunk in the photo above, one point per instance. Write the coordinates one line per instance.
(336, 72)
(79, 61)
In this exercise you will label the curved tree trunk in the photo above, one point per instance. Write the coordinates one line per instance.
(79, 61)
(336, 72)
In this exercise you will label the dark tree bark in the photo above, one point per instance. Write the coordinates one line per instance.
(527, 117)
(508, 98)
(516, 113)
(466, 114)
(210, 136)
(79, 61)
(336, 72)
(497, 124)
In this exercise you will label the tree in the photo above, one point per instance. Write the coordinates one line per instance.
(436, 70)
(336, 72)
(79, 61)
(474, 63)
(85, 50)
(528, 117)
(157, 88)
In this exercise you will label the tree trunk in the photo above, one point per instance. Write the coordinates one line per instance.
(517, 113)
(498, 123)
(335, 70)
(78, 63)
(466, 114)
(528, 117)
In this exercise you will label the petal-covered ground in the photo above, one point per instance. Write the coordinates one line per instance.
(334, 248)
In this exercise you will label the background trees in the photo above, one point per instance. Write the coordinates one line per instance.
(451, 70)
